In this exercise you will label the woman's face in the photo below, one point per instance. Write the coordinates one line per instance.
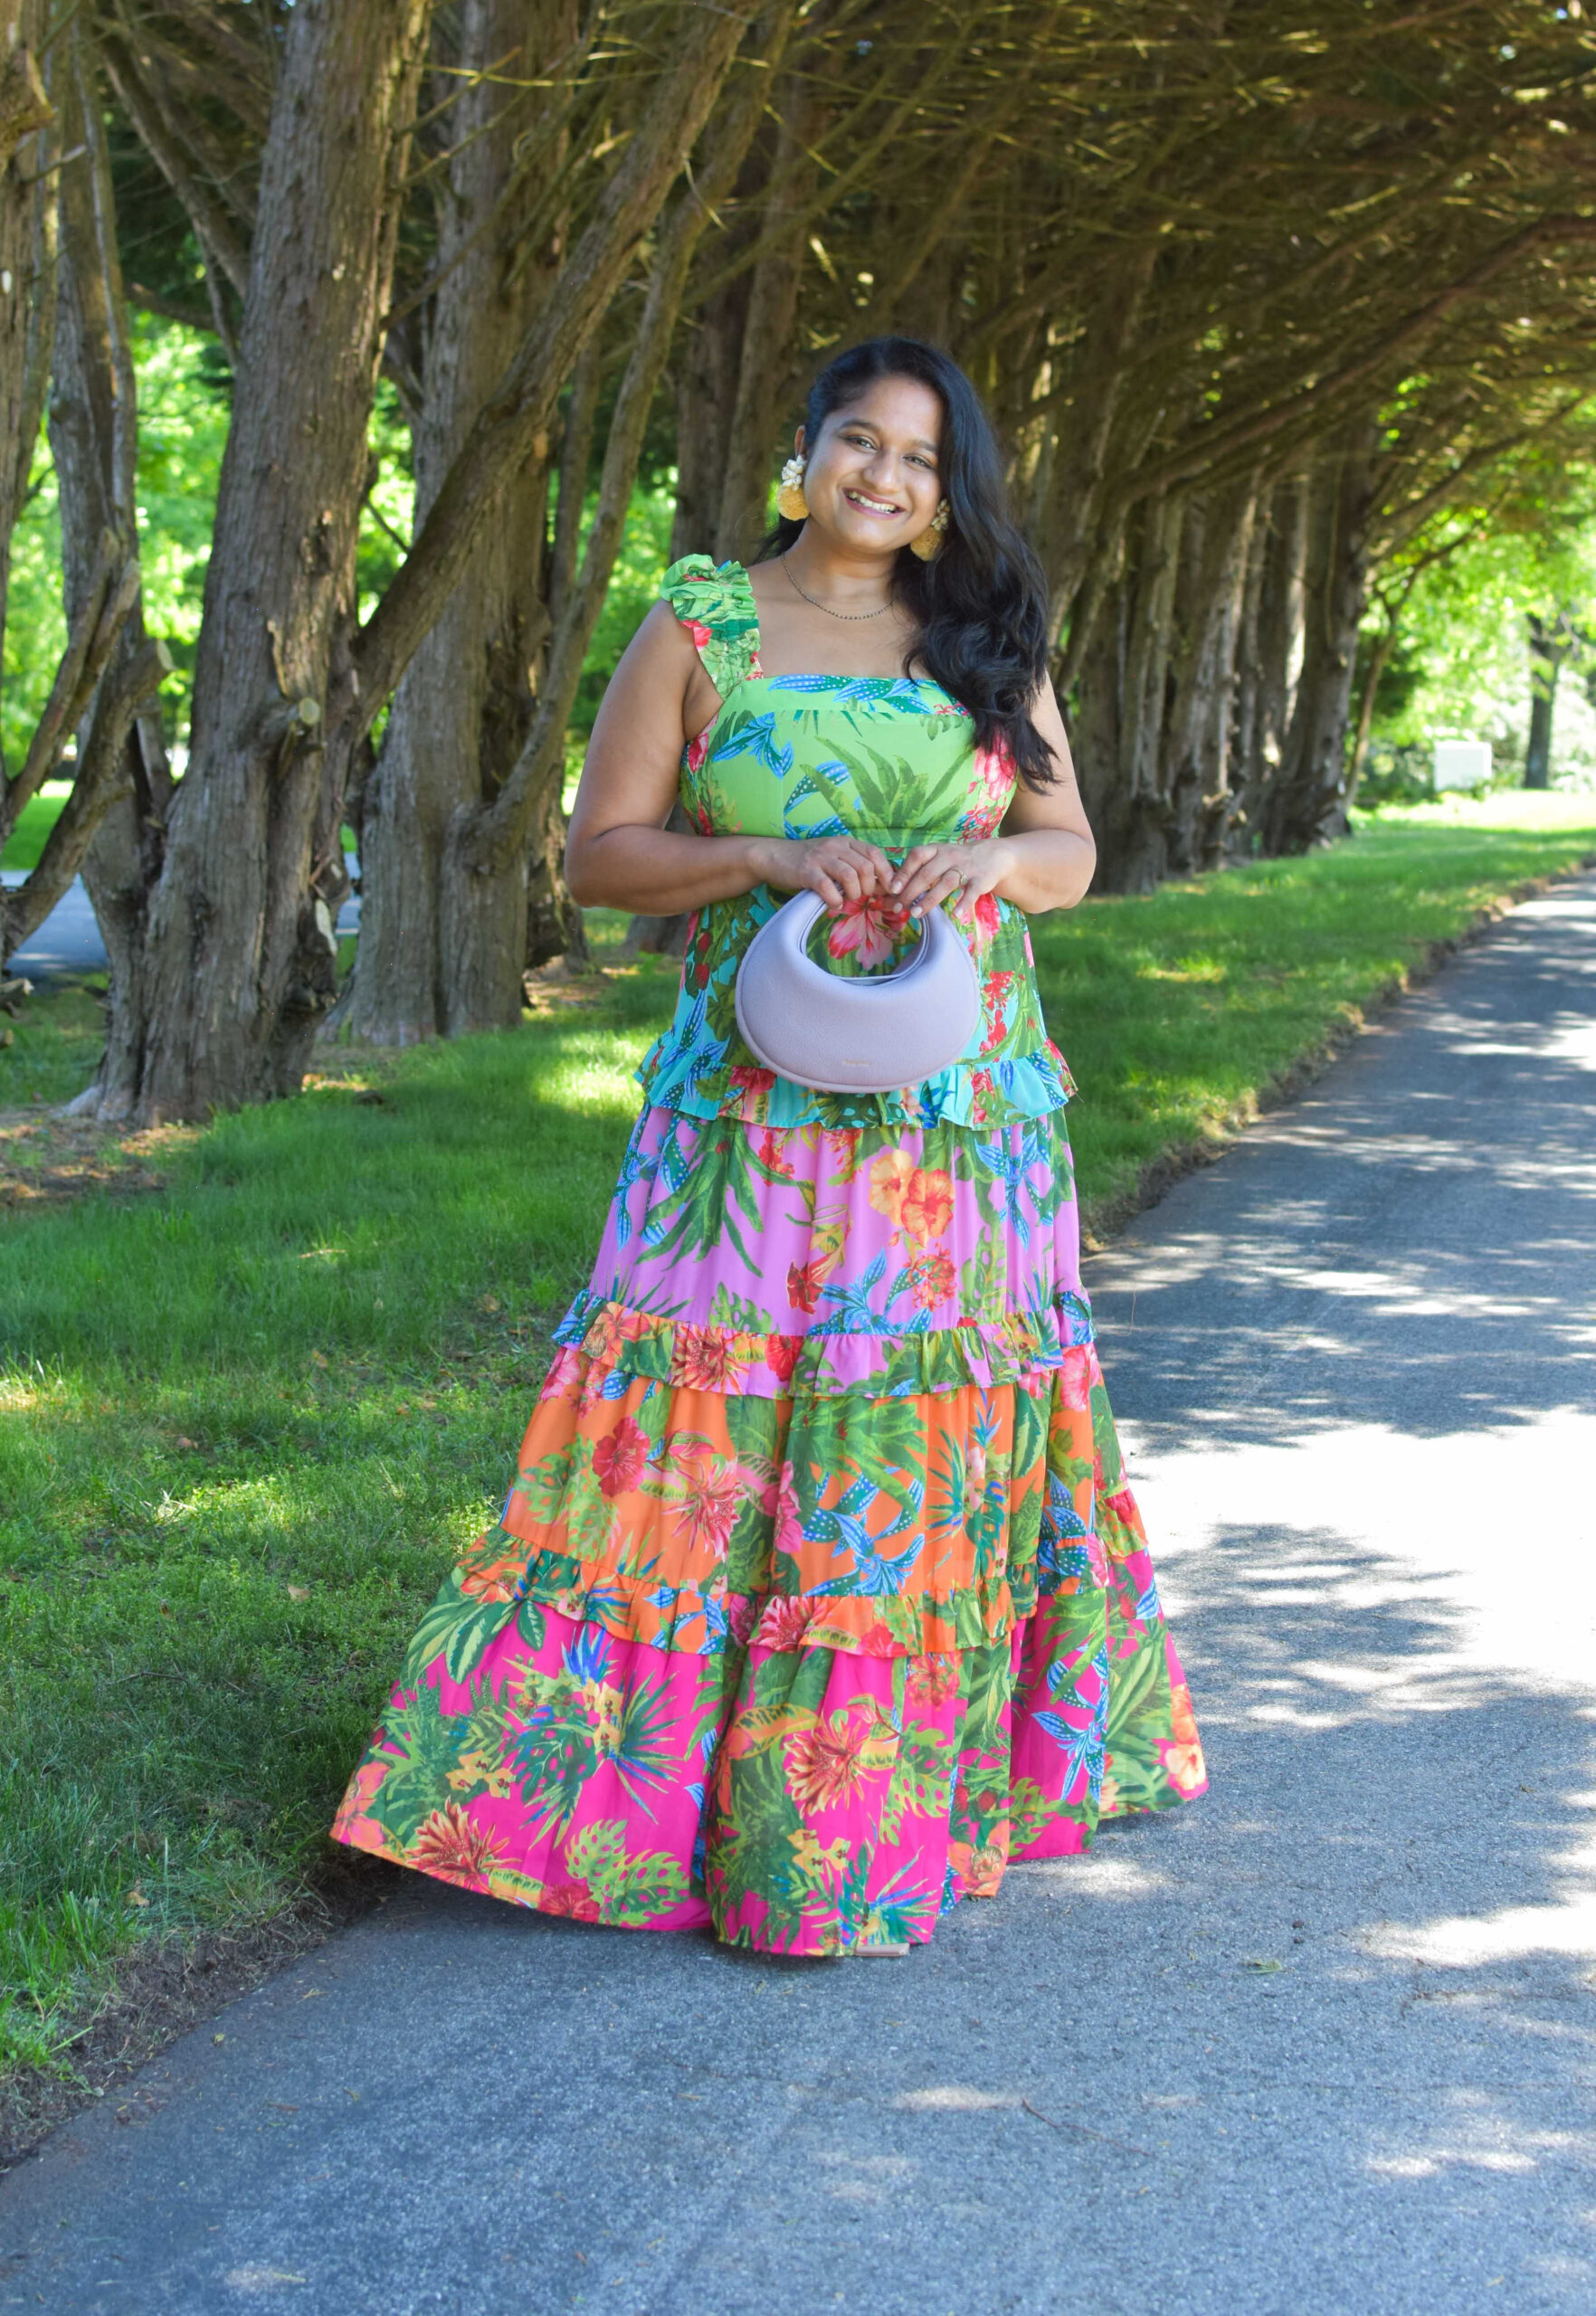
(873, 480)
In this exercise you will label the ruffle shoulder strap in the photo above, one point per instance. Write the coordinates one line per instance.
(715, 603)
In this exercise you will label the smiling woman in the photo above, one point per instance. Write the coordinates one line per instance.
(820, 1593)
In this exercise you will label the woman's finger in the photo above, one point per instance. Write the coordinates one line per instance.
(912, 861)
(934, 897)
(928, 876)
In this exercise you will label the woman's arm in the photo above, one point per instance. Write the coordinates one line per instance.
(619, 853)
(1042, 857)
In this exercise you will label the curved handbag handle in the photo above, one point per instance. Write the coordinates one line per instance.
(857, 1034)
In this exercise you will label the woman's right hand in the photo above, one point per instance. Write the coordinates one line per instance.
(839, 868)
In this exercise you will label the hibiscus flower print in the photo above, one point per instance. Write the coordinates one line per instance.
(992, 771)
(619, 1459)
(781, 1355)
(573, 1899)
(986, 916)
(870, 929)
(917, 1200)
(930, 1280)
(1183, 1765)
(891, 1172)
(928, 1204)
(803, 1285)
(933, 1679)
(748, 1077)
(773, 1149)
(994, 999)
(451, 1846)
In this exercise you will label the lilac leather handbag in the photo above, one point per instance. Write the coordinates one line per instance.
(864, 1034)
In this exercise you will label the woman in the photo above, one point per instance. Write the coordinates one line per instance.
(820, 1595)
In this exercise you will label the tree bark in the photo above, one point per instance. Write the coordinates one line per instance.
(110, 667)
(465, 703)
(93, 439)
(1123, 701)
(480, 721)
(1271, 650)
(1550, 643)
(1201, 747)
(524, 403)
(27, 263)
(1307, 804)
(239, 949)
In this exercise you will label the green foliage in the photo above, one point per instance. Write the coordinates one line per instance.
(182, 394)
(388, 513)
(35, 629)
(640, 566)
(1461, 667)
(183, 399)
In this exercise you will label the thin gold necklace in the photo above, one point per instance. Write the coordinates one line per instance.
(853, 617)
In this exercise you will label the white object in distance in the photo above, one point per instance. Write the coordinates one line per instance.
(1462, 763)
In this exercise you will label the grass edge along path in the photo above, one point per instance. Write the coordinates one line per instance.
(248, 1417)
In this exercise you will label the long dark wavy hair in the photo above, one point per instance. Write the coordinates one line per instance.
(982, 605)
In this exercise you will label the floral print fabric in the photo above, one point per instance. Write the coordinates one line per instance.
(877, 756)
(820, 1595)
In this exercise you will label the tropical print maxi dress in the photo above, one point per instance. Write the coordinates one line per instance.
(820, 1595)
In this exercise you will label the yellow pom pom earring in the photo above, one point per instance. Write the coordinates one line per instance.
(928, 546)
(791, 504)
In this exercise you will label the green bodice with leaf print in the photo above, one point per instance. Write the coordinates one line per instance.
(891, 759)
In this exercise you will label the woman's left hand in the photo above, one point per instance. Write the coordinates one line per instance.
(956, 875)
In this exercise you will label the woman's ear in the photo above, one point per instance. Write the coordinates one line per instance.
(800, 443)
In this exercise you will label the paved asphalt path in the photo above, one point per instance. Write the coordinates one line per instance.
(1321, 2046)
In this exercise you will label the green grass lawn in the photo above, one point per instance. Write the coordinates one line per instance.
(247, 1420)
(34, 821)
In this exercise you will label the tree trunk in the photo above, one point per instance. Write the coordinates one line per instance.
(239, 946)
(1270, 650)
(110, 667)
(1307, 804)
(27, 264)
(737, 379)
(1121, 724)
(1198, 773)
(706, 384)
(1550, 643)
(438, 955)
(93, 439)
(493, 896)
